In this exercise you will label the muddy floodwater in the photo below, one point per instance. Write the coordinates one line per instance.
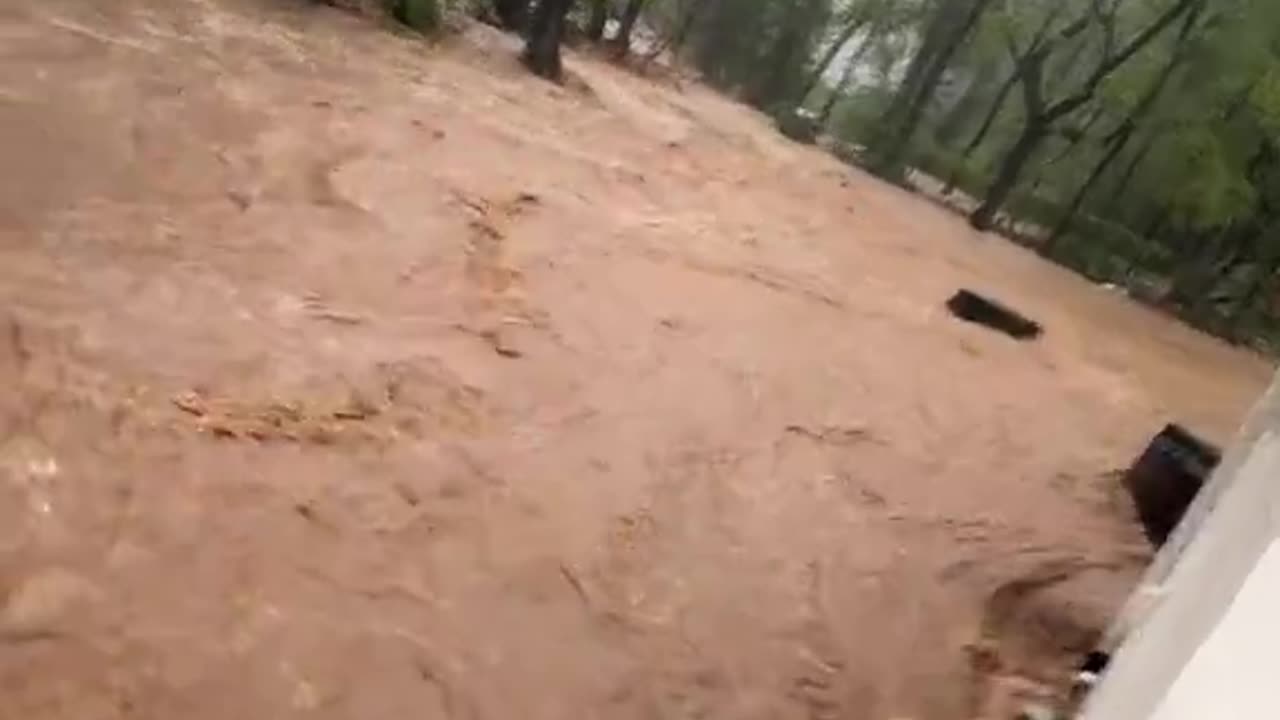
(351, 376)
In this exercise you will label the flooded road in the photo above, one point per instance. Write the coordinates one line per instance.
(355, 376)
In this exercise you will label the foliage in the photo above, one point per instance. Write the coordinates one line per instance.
(1213, 193)
(759, 49)
(421, 15)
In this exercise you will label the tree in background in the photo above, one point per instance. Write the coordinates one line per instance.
(851, 64)
(1117, 140)
(597, 20)
(854, 18)
(1041, 113)
(546, 31)
(513, 14)
(950, 24)
(1019, 53)
(421, 15)
(626, 24)
(788, 54)
(672, 21)
(761, 50)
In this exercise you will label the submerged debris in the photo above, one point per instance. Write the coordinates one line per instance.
(975, 308)
(1167, 477)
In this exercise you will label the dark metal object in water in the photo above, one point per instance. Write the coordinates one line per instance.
(970, 306)
(1166, 478)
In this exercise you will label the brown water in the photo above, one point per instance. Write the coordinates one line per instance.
(352, 376)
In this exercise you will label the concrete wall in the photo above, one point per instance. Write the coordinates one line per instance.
(1204, 601)
(1233, 673)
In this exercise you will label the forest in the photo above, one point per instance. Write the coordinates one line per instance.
(1134, 141)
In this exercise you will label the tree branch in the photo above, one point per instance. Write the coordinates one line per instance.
(1110, 63)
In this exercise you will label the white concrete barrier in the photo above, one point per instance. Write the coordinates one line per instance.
(1197, 640)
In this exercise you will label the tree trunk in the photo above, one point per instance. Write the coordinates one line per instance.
(1077, 200)
(513, 14)
(1119, 139)
(1041, 115)
(546, 28)
(997, 104)
(1076, 137)
(1126, 177)
(1035, 129)
(675, 41)
(1195, 275)
(902, 126)
(930, 43)
(598, 19)
(1243, 309)
(788, 51)
(829, 105)
(957, 118)
(828, 57)
(846, 77)
(630, 14)
(1074, 141)
(686, 25)
(1006, 179)
(1020, 63)
(1159, 223)
(1261, 285)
